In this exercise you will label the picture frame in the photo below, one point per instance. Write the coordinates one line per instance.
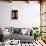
(14, 14)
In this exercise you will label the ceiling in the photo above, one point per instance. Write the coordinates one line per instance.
(24, 0)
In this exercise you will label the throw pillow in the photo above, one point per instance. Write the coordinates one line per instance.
(17, 30)
(23, 30)
(11, 30)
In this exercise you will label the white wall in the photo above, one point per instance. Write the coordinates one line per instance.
(28, 14)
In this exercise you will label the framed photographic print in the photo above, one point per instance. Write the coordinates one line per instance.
(14, 14)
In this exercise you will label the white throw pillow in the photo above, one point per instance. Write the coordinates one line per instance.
(23, 31)
(28, 31)
(5, 32)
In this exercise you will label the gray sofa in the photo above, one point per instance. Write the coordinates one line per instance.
(17, 35)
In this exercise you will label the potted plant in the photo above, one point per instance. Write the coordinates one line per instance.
(37, 33)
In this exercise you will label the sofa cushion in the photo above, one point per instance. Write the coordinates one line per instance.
(22, 38)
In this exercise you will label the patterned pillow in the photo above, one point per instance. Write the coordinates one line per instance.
(11, 30)
(17, 30)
